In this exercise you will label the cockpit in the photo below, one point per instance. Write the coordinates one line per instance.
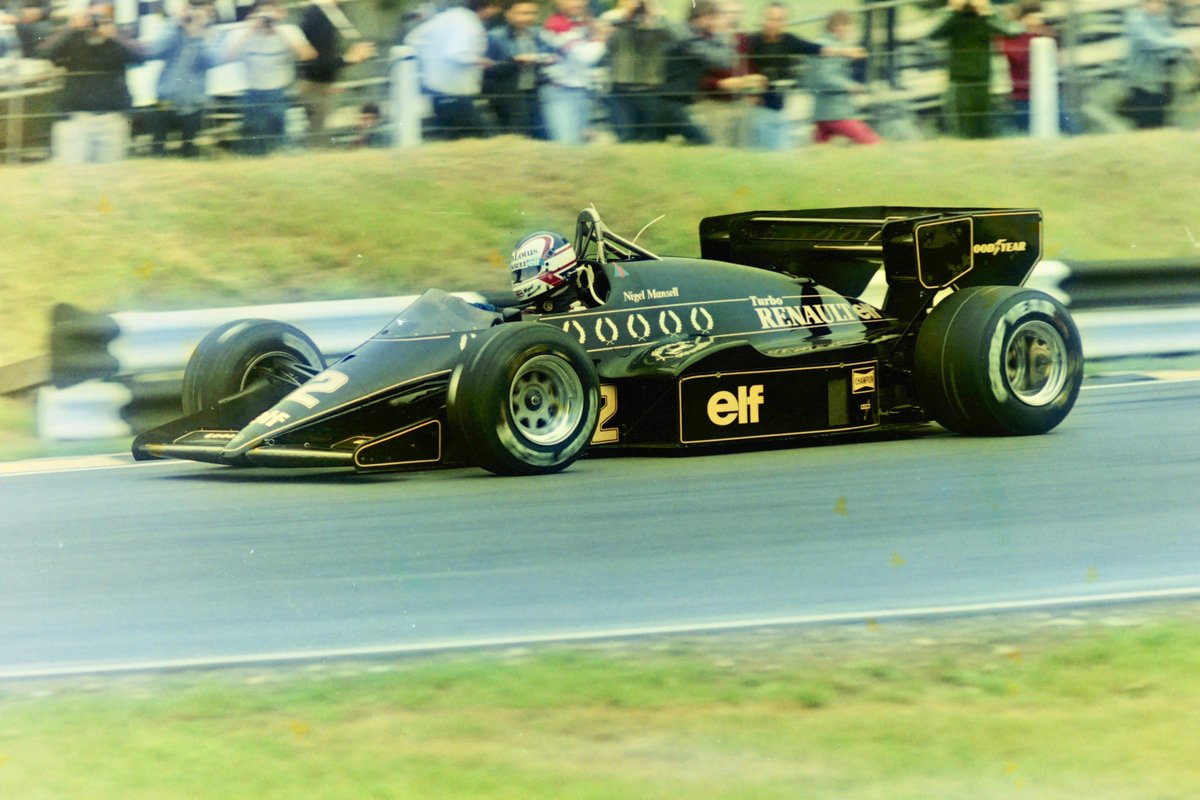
(596, 247)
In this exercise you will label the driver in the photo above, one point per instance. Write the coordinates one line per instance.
(547, 277)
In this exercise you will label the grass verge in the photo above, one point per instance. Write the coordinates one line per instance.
(1106, 706)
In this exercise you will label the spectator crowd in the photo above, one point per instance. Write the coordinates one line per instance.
(571, 74)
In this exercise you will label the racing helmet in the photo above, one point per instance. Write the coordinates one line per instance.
(541, 263)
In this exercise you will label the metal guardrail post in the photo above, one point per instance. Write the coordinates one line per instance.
(407, 105)
(14, 142)
(1043, 88)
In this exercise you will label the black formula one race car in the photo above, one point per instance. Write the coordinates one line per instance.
(761, 338)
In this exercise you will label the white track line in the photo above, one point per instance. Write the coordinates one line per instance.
(52, 466)
(441, 646)
(1144, 383)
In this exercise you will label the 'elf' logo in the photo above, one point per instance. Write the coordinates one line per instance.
(725, 408)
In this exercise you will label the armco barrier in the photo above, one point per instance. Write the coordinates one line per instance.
(92, 346)
(79, 345)
(1119, 284)
(120, 373)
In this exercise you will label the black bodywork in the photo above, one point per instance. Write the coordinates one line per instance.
(763, 337)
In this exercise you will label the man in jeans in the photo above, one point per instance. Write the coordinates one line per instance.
(95, 96)
(702, 50)
(451, 55)
(188, 52)
(268, 49)
(1153, 47)
(511, 83)
(579, 43)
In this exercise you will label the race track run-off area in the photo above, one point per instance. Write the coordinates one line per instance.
(107, 564)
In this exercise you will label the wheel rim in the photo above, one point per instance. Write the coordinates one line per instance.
(1035, 363)
(546, 400)
(276, 366)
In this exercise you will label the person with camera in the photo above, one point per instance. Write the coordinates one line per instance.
(30, 21)
(637, 51)
(268, 50)
(188, 50)
(968, 29)
(95, 97)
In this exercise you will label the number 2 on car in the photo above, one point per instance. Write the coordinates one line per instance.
(327, 382)
(608, 409)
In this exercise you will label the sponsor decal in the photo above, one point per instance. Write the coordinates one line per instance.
(725, 408)
(670, 323)
(769, 300)
(862, 380)
(531, 255)
(206, 437)
(626, 328)
(1000, 246)
(677, 350)
(639, 327)
(271, 418)
(792, 401)
(643, 295)
(607, 330)
(574, 323)
(772, 316)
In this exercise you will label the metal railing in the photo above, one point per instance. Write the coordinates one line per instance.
(904, 76)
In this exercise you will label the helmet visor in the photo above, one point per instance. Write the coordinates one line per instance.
(520, 274)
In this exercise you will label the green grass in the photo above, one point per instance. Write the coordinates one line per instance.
(150, 235)
(1022, 712)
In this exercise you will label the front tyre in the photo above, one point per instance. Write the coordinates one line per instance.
(249, 354)
(525, 400)
(999, 360)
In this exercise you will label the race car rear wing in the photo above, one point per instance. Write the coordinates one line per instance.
(922, 250)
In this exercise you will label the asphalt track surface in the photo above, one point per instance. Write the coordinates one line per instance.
(106, 564)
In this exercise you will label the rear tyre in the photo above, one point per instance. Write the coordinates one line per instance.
(999, 360)
(525, 400)
(247, 354)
